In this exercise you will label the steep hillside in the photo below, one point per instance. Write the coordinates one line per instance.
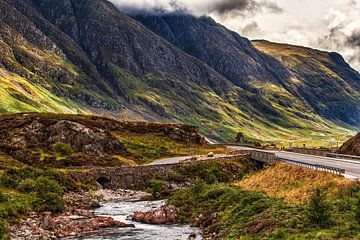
(351, 146)
(322, 79)
(303, 85)
(87, 56)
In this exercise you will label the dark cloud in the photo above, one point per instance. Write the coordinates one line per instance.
(250, 28)
(354, 39)
(226, 6)
(231, 6)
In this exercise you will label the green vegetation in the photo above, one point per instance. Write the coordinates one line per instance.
(318, 209)
(357, 210)
(62, 149)
(2, 229)
(156, 187)
(39, 190)
(151, 146)
(232, 213)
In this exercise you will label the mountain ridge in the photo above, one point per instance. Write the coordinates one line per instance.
(102, 61)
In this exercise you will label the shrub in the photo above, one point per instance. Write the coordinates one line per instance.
(156, 187)
(318, 209)
(26, 185)
(357, 209)
(62, 149)
(48, 195)
(8, 181)
(3, 197)
(2, 229)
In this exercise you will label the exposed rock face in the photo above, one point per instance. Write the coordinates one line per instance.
(91, 138)
(352, 146)
(165, 215)
(81, 138)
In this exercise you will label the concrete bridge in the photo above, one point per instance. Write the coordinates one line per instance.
(270, 157)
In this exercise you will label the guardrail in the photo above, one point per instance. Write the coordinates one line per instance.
(318, 167)
(268, 157)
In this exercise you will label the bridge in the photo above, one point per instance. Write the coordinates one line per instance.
(270, 157)
(335, 163)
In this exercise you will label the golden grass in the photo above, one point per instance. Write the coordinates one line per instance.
(292, 183)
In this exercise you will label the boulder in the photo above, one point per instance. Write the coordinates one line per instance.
(164, 215)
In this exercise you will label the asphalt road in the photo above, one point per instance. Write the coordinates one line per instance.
(169, 160)
(352, 167)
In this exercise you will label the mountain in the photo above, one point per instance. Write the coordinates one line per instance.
(87, 56)
(306, 80)
(351, 146)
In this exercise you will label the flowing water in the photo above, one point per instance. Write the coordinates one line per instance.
(121, 210)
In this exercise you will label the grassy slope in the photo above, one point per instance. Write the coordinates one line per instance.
(292, 183)
(249, 213)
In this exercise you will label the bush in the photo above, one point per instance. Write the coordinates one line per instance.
(2, 229)
(26, 185)
(62, 149)
(357, 209)
(3, 197)
(48, 195)
(156, 187)
(318, 209)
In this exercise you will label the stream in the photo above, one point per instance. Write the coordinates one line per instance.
(120, 210)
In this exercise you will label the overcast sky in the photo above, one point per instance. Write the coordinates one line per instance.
(332, 25)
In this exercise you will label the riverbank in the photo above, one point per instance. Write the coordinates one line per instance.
(77, 219)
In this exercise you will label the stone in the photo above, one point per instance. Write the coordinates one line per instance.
(165, 215)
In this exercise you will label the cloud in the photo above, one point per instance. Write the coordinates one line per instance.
(248, 6)
(343, 34)
(199, 7)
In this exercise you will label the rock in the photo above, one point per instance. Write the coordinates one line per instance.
(94, 204)
(104, 222)
(164, 215)
(192, 236)
(46, 221)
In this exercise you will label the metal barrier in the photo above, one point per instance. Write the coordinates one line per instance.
(318, 167)
(268, 157)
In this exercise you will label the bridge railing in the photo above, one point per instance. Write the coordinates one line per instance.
(268, 157)
(318, 167)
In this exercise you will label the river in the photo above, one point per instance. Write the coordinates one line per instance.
(120, 210)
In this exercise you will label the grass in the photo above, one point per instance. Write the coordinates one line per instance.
(228, 212)
(292, 183)
(151, 146)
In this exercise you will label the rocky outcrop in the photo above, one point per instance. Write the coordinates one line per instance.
(165, 215)
(94, 141)
(351, 147)
(31, 136)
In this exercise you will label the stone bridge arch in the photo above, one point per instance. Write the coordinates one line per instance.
(104, 182)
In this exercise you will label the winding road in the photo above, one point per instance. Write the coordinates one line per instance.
(352, 167)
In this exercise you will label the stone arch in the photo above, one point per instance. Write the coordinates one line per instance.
(103, 181)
